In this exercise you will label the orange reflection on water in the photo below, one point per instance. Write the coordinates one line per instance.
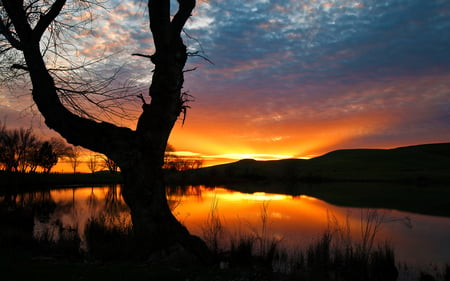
(294, 220)
(285, 216)
(75, 207)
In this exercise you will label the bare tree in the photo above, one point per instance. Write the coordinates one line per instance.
(60, 148)
(27, 145)
(109, 164)
(74, 158)
(9, 149)
(22, 151)
(139, 153)
(18, 147)
(174, 162)
(93, 163)
(46, 157)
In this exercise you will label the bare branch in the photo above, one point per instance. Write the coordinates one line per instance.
(142, 55)
(196, 54)
(18, 18)
(5, 31)
(48, 18)
(19, 66)
(190, 69)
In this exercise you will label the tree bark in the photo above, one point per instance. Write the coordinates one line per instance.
(139, 153)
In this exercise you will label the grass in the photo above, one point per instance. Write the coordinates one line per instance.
(334, 256)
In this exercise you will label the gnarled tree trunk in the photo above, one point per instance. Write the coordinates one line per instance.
(139, 153)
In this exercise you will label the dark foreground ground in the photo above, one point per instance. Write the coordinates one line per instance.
(57, 271)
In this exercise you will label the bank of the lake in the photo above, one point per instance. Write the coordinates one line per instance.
(420, 199)
(428, 199)
(20, 182)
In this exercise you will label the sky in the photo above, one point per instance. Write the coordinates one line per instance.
(286, 78)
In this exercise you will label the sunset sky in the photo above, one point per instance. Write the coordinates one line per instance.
(289, 78)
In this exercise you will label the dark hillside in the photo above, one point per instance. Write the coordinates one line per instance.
(420, 163)
(423, 164)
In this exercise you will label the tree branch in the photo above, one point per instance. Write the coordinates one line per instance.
(19, 66)
(48, 18)
(16, 13)
(179, 20)
(9, 35)
(142, 55)
(159, 14)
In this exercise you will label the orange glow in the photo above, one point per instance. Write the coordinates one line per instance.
(241, 212)
(311, 130)
(315, 128)
(296, 221)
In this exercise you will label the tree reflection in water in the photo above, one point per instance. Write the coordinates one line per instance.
(28, 225)
(114, 211)
(176, 194)
(296, 220)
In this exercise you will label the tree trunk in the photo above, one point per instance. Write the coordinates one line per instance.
(144, 188)
(158, 233)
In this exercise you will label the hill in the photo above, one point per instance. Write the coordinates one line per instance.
(423, 164)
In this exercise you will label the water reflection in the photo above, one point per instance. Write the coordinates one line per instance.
(294, 220)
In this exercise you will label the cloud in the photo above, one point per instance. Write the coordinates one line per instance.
(296, 77)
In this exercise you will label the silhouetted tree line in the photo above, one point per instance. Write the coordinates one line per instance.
(98, 162)
(174, 162)
(22, 151)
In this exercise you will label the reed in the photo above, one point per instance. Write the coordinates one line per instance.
(107, 242)
(213, 230)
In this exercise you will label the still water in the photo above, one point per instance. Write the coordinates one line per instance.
(294, 221)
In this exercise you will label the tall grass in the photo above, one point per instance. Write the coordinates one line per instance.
(213, 230)
(335, 255)
(58, 242)
(107, 242)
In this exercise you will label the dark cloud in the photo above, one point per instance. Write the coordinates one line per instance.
(380, 38)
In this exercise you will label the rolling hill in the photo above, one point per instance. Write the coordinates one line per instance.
(428, 163)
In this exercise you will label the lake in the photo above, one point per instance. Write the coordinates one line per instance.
(294, 221)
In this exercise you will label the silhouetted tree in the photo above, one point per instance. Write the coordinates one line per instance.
(21, 150)
(27, 145)
(109, 164)
(60, 148)
(93, 163)
(47, 157)
(139, 153)
(8, 149)
(74, 154)
(174, 162)
(17, 147)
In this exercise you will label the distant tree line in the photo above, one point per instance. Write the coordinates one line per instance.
(22, 151)
(174, 162)
(99, 162)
